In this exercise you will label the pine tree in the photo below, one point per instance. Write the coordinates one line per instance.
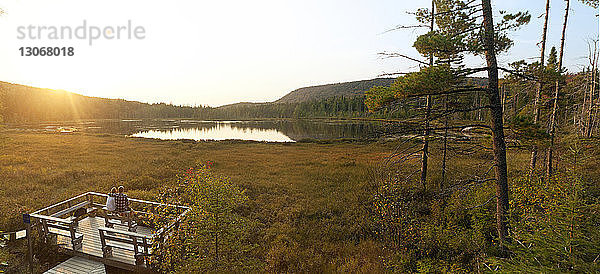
(461, 31)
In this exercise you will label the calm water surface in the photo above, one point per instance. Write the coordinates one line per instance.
(221, 131)
(262, 130)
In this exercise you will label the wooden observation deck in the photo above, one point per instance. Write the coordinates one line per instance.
(82, 228)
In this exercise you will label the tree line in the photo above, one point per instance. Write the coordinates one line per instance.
(22, 104)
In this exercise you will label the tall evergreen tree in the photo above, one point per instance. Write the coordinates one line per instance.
(464, 28)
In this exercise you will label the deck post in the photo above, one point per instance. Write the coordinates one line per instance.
(90, 200)
(182, 245)
(106, 250)
(27, 221)
(45, 229)
(139, 258)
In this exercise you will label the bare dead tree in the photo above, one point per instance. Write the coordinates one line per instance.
(592, 89)
(425, 148)
(552, 126)
(536, 102)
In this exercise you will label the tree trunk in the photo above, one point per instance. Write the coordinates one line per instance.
(445, 147)
(499, 145)
(478, 106)
(516, 103)
(588, 127)
(556, 90)
(425, 151)
(536, 102)
(586, 105)
(596, 121)
(503, 93)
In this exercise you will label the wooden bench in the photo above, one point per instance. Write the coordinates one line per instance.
(139, 244)
(62, 227)
(112, 218)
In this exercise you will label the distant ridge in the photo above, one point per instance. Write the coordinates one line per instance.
(21, 103)
(347, 89)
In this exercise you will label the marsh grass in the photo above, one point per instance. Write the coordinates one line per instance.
(311, 200)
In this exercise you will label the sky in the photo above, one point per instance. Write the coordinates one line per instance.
(221, 52)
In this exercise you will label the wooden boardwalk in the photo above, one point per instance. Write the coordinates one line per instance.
(77, 226)
(78, 265)
(91, 246)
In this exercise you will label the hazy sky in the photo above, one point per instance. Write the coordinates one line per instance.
(220, 52)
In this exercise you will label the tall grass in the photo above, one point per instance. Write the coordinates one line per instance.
(311, 201)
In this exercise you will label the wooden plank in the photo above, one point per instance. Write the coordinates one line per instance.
(47, 209)
(58, 226)
(141, 201)
(78, 265)
(70, 209)
(64, 233)
(92, 248)
(72, 267)
(84, 265)
(48, 218)
(125, 232)
(11, 236)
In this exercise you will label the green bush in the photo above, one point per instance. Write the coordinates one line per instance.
(554, 226)
(214, 236)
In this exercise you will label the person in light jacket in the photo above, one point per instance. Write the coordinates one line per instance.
(111, 204)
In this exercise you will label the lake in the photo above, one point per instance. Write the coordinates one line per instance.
(285, 130)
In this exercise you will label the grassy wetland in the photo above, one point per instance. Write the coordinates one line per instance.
(311, 203)
(306, 191)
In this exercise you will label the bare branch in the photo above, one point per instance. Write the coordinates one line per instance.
(392, 74)
(394, 54)
(463, 127)
(469, 71)
(454, 91)
(469, 183)
(514, 72)
(453, 111)
(467, 6)
(481, 205)
(399, 27)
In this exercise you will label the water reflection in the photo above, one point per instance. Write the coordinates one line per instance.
(220, 131)
(285, 130)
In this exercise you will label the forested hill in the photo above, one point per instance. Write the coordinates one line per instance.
(19, 103)
(23, 104)
(348, 89)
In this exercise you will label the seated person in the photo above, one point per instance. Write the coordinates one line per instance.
(110, 200)
(122, 203)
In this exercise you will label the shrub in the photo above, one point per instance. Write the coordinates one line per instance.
(555, 226)
(214, 235)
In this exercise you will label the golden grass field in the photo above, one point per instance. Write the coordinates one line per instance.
(313, 196)
(308, 192)
(38, 169)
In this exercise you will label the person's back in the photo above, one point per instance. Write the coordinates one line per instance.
(110, 200)
(121, 201)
